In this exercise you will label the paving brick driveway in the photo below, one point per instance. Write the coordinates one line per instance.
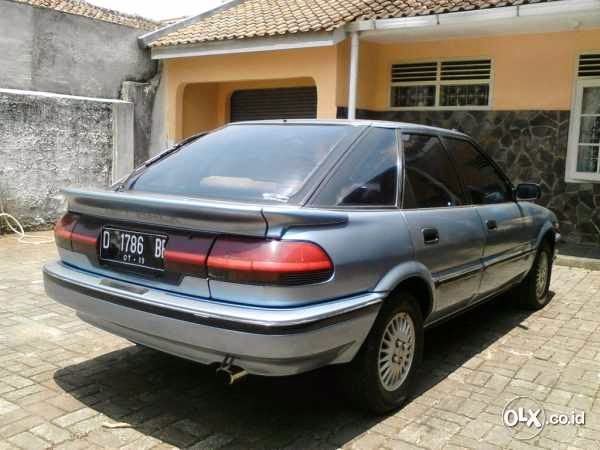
(62, 381)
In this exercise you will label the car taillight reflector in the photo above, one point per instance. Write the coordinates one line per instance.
(85, 237)
(268, 261)
(66, 237)
(187, 255)
(63, 230)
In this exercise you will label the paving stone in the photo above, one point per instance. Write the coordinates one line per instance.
(51, 433)
(19, 426)
(559, 397)
(7, 407)
(74, 417)
(369, 441)
(214, 441)
(62, 381)
(113, 438)
(29, 441)
(45, 410)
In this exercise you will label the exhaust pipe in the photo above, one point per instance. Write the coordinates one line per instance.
(229, 373)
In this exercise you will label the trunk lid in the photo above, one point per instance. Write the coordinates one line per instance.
(193, 227)
(169, 211)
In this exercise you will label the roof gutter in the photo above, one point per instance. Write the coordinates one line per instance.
(263, 44)
(491, 18)
(465, 18)
(145, 39)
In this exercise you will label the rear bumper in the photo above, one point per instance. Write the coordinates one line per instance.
(264, 341)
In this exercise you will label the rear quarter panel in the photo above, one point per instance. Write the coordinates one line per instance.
(363, 251)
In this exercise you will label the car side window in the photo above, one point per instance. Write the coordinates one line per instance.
(481, 180)
(368, 176)
(430, 180)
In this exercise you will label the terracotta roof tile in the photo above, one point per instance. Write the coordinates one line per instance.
(252, 18)
(82, 8)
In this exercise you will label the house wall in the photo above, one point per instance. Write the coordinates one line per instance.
(200, 106)
(206, 106)
(266, 69)
(368, 86)
(530, 71)
(525, 130)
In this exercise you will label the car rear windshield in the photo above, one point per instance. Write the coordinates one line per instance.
(249, 163)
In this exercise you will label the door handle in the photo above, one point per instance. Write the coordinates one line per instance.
(491, 224)
(430, 236)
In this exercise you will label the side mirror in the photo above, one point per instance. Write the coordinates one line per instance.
(528, 192)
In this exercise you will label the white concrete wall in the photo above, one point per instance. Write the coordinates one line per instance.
(46, 50)
(49, 142)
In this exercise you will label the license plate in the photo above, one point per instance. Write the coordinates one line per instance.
(133, 248)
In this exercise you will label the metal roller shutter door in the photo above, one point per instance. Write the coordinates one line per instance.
(281, 103)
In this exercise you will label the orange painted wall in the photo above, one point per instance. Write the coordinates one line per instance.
(316, 64)
(200, 102)
(206, 106)
(367, 75)
(531, 71)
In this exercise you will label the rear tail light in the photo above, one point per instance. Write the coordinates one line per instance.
(187, 255)
(237, 260)
(70, 235)
(63, 230)
(268, 262)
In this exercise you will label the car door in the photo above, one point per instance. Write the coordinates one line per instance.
(447, 234)
(507, 245)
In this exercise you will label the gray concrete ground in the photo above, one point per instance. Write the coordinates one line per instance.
(63, 383)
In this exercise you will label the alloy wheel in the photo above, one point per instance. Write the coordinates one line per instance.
(396, 351)
(541, 277)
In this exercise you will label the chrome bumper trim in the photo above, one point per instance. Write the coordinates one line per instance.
(264, 341)
(210, 313)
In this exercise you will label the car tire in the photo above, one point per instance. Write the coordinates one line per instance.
(399, 321)
(533, 292)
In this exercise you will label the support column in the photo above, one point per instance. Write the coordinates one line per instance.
(353, 78)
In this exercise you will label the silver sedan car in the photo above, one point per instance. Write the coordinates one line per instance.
(277, 247)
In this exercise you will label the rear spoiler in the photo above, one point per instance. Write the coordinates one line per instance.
(196, 214)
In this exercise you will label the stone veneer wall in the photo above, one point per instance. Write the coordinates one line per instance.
(529, 146)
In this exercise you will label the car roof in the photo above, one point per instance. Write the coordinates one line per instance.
(358, 122)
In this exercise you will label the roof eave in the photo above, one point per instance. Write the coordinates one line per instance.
(528, 18)
(494, 19)
(145, 40)
(262, 44)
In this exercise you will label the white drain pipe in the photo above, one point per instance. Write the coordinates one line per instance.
(353, 78)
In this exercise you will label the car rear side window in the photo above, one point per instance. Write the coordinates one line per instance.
(261, 163)
(367, 177)
(481, 180)
(430, 180)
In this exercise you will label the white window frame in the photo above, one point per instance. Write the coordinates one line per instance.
(571, 174)
(438, 83)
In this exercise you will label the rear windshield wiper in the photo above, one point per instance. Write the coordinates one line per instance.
(120, 185)
(174, 148)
